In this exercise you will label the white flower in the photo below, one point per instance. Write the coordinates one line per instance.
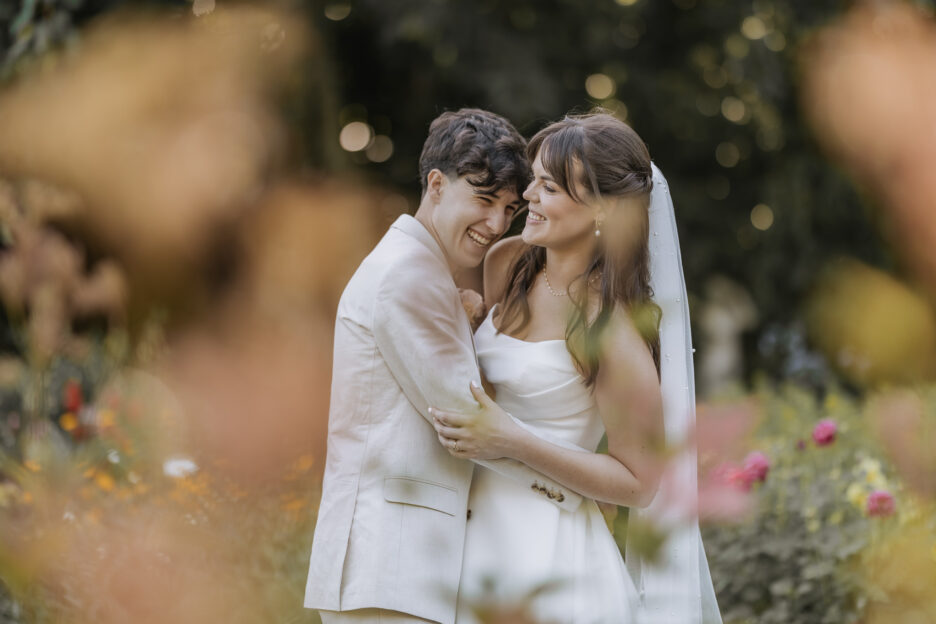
(178, 467)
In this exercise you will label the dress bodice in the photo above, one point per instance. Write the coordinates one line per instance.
(538, 383)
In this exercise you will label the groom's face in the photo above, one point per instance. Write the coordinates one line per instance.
(468, 219)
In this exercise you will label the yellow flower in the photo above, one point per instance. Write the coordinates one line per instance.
(813, 525)
(857, 495)
(836, 517)
(106, 418)
(104, 481)
(876, 479)
(68, 421)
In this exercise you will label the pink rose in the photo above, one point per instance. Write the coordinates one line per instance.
(880, 503)
(756, 465)
(824, 432)
(733, 475)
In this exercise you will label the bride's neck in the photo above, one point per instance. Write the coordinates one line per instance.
(565, 265)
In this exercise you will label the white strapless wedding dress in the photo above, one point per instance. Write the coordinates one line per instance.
(520, 546)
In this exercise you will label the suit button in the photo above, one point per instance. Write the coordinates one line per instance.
(469, 514)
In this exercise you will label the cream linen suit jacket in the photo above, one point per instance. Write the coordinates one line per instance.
(391, 523)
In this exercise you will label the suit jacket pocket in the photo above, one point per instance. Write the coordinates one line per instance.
(413, 491)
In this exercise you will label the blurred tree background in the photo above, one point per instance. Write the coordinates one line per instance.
(709, 84)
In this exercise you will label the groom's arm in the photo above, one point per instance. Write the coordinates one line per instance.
(426, 346)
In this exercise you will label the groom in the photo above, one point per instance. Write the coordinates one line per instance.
(391, 523)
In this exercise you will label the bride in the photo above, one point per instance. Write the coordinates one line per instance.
(572, 349)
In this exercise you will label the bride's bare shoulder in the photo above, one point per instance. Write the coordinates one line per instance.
(497, 262)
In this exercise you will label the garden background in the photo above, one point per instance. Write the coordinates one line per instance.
(186, 187)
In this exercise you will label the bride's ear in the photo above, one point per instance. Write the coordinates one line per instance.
(599, 215)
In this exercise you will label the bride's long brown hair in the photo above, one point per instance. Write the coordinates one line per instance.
(611, 161)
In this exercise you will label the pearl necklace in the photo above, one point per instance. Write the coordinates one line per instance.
(550, 288)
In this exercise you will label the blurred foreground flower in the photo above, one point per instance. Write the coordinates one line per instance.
(188, 495)
(164, 128)
(905, 422)
(723, 433)
(870, 90)
(872, 327)
(899, 574)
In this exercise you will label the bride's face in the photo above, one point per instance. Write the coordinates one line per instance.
(554, 219)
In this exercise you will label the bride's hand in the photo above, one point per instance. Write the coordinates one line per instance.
(489, 434)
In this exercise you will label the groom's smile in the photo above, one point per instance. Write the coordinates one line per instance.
(466, 219)
(479, 238)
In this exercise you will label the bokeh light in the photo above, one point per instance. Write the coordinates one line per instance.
(337, 11)
(762, 217)
(381, 149)
(754, 28)
(600, 86)
(734, 109)
(355, 136)
(727, 154)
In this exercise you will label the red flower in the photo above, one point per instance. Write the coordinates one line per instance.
(756, 465)
(73, 396)
(880, 503)
(824, 432)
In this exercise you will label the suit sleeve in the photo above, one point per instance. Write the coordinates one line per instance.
(423, 335)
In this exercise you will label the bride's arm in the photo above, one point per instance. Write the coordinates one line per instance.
(630, 403)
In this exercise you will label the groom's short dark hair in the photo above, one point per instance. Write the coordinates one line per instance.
(480, 145)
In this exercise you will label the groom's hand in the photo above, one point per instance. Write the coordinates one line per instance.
(488, 434)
